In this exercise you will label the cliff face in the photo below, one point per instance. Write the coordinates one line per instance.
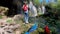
(9, 3)
(6, 3)
(13, 5)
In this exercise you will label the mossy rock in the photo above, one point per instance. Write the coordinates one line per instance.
(1, 17)
(9, 20)
(35, 32)
(40, 29)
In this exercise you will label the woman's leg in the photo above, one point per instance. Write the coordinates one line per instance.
(26, 17)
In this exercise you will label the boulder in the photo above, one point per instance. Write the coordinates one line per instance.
(18, 17)
(3, 10)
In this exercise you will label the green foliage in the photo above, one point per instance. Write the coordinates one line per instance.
(9, 21)
(35, 32)
(54, 5)
(0, 16)
(54, 30)
(36, 2)
(40, 29)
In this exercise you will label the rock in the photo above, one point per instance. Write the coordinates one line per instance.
(4, 17)
(10, 20)
(2, 23)
(8, 33)
(18, 17)
(1, 31)
(12, 27)
(7, 27)
(18, 32)
(3, 10)
(17, 26)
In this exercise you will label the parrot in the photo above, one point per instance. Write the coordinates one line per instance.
(33, 28)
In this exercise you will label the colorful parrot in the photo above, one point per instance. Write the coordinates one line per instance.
(33, 28)
(27, 32)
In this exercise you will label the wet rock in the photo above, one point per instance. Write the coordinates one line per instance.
(8, 28)
(18, 17)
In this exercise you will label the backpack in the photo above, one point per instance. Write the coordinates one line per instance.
(25, 7)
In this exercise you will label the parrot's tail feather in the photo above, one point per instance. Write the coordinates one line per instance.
(27, 33)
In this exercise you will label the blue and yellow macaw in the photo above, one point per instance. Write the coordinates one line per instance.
(33, 28)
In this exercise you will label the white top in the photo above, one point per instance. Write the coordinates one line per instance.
(30, 4)
(43, 9)
(34, 11)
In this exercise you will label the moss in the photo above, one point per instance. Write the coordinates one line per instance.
(0, 17)
(35, 32)
(9, 21)
(40, 29)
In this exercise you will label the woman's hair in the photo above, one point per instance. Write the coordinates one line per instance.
(25, 2)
